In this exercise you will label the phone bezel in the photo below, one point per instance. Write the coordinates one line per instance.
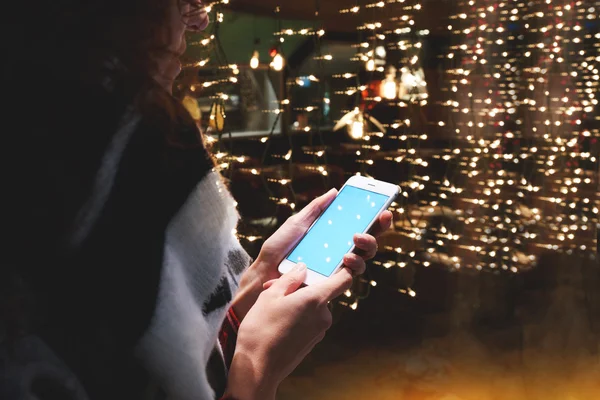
(360, 182)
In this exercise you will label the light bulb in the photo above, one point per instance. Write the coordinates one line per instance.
(380, 51)
(371, 65)
(390, 89)
(358, 130)
(254, 61)
(277, 63)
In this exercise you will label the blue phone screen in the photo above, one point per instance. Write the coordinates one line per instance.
(331, 237)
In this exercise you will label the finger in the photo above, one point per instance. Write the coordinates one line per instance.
(366, 244)
(290, 233)
(315, 208)
(332, 287)
(268, 284)
(384, 222)
(291, 281)
(355, 264)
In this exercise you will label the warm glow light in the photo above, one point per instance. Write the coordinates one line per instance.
(370, 65)
(519, 138)
(358, 130)
(390, 89)
(254, 61)
(278, 62)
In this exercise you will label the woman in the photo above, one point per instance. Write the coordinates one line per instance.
(121, 230)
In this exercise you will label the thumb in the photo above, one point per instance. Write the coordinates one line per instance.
(291, 281)
(315, 208)
(334, 286)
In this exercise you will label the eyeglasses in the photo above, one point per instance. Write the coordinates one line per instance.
(191, 8)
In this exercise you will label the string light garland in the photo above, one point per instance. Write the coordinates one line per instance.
(516, 108)
(518, 174)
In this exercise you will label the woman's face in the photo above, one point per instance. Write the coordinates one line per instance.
(183, 16)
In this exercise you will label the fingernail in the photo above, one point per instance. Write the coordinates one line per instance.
(361, 238)
(300, 267)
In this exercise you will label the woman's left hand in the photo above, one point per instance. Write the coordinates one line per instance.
(287, 236)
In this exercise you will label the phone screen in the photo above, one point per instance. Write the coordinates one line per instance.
(331, 237)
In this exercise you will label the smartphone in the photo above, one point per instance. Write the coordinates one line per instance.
(354, 210)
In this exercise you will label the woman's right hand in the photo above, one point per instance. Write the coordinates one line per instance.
(280, 330)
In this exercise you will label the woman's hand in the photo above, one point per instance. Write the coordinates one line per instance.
(283, 241)
(280, 330)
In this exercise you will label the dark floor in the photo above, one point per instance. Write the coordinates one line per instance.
(546, 347)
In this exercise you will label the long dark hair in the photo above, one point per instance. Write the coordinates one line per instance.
(59, 33)
(46, 40)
